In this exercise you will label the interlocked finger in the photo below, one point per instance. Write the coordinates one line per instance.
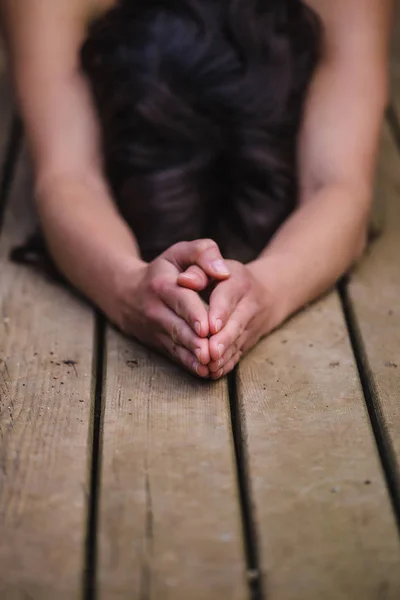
(230, 365)
(235, 327)
(188, 305)
(183, 357)
(224, 301)
(216, 365)
(182, 335)
(194, 278)
(204, 253)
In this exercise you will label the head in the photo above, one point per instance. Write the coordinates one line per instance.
(200, 103)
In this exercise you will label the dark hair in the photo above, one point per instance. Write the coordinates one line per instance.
(200, 103)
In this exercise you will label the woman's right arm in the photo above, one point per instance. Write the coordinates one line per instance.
(88, 239)
(90, 242)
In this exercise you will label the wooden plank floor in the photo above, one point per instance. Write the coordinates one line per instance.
(322, 511)
(169, 507)
(374, 293)
(45, 404)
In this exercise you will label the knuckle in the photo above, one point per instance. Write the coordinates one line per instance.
(243, 283)
(205, 245)
(189, 341)
(234, 349)
(177, 247)
(178, 308)
(231, 365)
(246, 284)
(158, 284)
(223, 310)
(238, 328)
(150, 312)
(175, 333)
(232, 333)
(226, 339)
(175, 350)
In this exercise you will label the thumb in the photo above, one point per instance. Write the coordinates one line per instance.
(194, 279)
(203, 253)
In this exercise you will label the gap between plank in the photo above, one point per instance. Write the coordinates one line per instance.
(9, 164)
(254, 578)
(394, 124)
(90, 574)
(377, 420)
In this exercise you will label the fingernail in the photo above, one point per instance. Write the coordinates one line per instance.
(196, 367)
(198, 354)
(189, 275)
(221, 349)
(220, 267)
(218, 325)
(197, 328)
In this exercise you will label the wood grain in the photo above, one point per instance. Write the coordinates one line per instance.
(324, 519)
(375, 292)
(45, 405)
(169, 513)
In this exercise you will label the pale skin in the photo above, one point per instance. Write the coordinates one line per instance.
(158, 303)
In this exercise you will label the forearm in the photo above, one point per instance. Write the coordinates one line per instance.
(316, 245)
(89, 241)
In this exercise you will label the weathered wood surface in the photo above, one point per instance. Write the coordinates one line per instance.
(323, 515)
(375, 293)
(45, 405)
(169, 513)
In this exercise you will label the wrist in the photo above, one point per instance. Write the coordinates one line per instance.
(274, 297)
(127, 277)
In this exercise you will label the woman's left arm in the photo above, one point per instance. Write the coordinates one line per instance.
(337, 154)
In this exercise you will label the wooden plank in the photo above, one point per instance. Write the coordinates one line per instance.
(375, 292)
(324, 518)
(169, 513)
(45, 404)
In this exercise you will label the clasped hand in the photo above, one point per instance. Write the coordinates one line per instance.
(164, 307)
